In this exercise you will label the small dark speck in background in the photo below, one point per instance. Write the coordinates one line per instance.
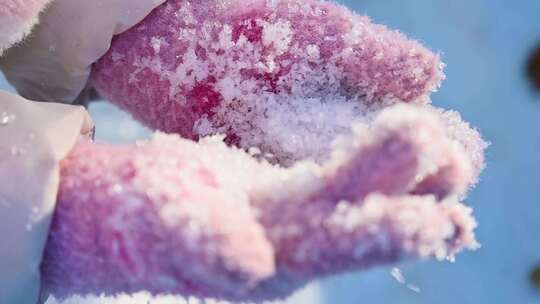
(534, 276)
(533, 68)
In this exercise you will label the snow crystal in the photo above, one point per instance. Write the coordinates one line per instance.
(7, 118)
(397, 274)
(278, 34)
(313, 52)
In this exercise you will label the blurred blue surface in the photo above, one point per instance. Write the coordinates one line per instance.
(485, 44)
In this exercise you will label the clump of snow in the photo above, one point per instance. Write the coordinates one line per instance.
(278, 35)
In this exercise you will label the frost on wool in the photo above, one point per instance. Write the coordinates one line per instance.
(151, 217)
(17, 17)
(276, 75)
(363, 171)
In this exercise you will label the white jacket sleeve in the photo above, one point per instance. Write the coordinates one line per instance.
(34, 137)
(54, 62)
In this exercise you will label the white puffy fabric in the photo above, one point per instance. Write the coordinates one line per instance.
(53, 63)
(34, 138)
